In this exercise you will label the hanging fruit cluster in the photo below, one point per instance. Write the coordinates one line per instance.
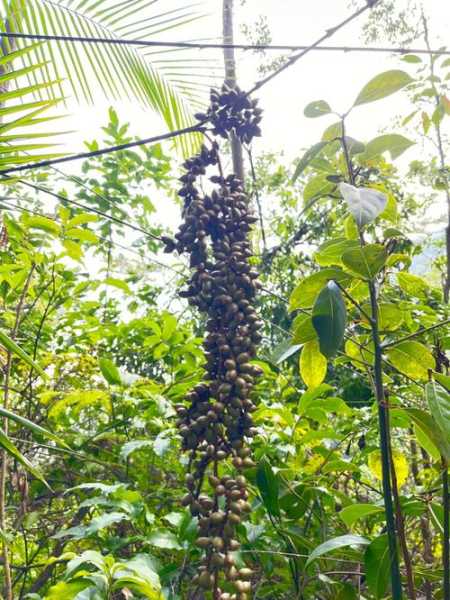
(216, 423)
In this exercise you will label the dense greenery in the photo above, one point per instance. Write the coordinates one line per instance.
(349, 494)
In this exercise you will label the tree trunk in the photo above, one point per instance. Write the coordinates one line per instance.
(230, 80)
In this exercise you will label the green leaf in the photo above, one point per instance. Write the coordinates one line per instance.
(283, 350)
(365, 261)
(332, 132)
(316, 187)
(378, 566)
(330, 253)
(427, 425)
(118, 283)
(308, 289)
(11, 449)
(444, 380)
(317, 109)
(383, 85)
(439, 403)
(341, 541)
(309, 155)
(12, 347)
(412, 358)
(412, 284)
(161, 538)
(268, 486)
(313, 364)
(32, 426)
(393, 143)
(109, 371)
(354, 512)
(303, 329)
(329, 318)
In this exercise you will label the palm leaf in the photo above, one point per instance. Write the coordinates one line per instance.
(118, 70)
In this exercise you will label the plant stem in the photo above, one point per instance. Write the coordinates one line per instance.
(384, 443)
(401, 522)
(446, 534)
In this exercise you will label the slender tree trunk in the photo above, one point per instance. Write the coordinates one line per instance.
(230, 80)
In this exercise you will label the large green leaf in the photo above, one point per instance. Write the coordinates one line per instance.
(439, 403)
(365, 261)
(329, 317)
(354, 512)
(313, 364)
(394, 143)
(12, 347)
(377, 565)
(306, 292)
(317, 109)
(428, 427)
(383, 85)
(340, 541)
(268, 486)
(412, 358)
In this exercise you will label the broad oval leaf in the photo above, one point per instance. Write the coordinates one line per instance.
(426, 424)
(382, 85)
(306, 292)
(268, 486)
(394, 143)
(313, 364)
(365, 261)
(329, 318)
(330, 253)
(377, 566)
(338, 542)
(365, 204)
(317, 109)
(303, 329)
(412, 359)
(439, 402)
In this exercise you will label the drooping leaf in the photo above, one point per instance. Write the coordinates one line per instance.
(317, 109)
(427, 426)
(14, 348)
(439, 403)
(306, 159)
(313, 364)
(365, 204)
(268, 486)
(365, 261)
(394, 143)
(377, 566)
(329, 317)
(109, 371)
(340, 541)
(412, 358)
(383, 85)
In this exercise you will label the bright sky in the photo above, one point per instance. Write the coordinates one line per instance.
(334, 76)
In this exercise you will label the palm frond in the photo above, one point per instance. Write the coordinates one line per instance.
(13, 150)
(117, 71)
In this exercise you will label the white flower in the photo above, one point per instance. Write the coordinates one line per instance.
(364, 203)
